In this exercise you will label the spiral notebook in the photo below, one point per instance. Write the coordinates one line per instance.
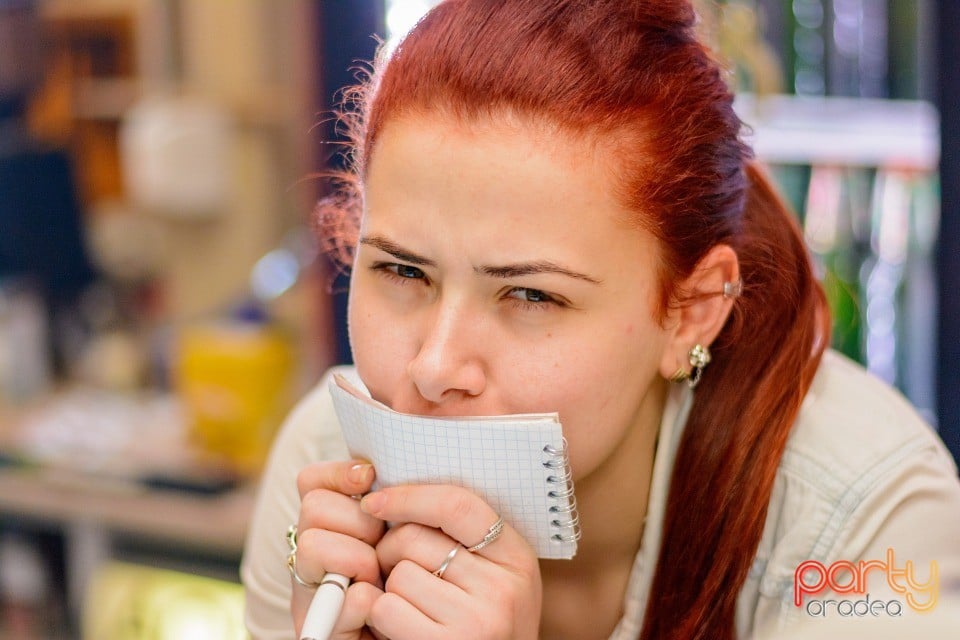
(518, 463)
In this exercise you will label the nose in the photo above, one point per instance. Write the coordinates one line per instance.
(448, 365)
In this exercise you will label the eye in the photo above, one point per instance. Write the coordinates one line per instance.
(399, 272)
(532, 298)
(406, 271)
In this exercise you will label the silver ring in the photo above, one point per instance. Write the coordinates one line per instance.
(292, 559)
(446, 562)
(492, 534)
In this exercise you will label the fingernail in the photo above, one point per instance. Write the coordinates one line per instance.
(372, 503)
(360, 473)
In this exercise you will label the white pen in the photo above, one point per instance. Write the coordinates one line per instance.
(325, 607)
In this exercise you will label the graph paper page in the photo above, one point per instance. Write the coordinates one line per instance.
(499, 458)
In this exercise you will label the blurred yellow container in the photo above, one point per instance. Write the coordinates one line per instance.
(131, 602)
(236, 380)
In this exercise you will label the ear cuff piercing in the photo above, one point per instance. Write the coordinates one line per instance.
(733, 289)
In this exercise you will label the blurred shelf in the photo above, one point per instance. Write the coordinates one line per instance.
(263, 107)
(842, 131)
(215, 524)
(84, 9)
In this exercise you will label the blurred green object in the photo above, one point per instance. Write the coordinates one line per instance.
(132, 602)
(829, 224)
(843, 295)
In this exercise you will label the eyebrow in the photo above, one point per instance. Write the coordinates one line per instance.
(532, 268)
(514, 270)
(398, 252)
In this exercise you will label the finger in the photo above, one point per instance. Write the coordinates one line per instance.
(398, 619)
(461, 514)
(356, 610)
(349, 477)
(300, 603)
(438, 599)
(326, 509)
(320, 551)
(429, 548)
(424, 545)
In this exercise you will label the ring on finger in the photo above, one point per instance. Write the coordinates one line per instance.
(292, 559)
(446, 562)
(492, 534)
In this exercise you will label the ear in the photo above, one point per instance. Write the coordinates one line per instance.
(703, 310)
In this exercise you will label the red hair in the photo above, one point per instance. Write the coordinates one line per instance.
(633, 73)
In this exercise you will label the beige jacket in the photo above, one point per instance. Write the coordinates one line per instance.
(862, 473)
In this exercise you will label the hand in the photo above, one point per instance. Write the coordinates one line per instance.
(491, 594)
(334, 535)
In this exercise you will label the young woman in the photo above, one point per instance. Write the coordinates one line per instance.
(552, 210)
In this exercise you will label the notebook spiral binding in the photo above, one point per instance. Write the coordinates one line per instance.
(564, 515)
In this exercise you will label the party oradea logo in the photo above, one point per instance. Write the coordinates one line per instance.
(814, 584)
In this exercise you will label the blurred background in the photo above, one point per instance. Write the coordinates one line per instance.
(162, 303)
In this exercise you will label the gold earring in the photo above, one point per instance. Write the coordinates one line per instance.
(679, 376)
(699, 357)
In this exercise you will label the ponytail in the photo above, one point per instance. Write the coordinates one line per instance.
(763, 364)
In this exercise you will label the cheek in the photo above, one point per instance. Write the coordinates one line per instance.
(381, 345)
(598, 391)
(582, 369)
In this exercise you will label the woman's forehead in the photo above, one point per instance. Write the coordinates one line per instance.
(497, 195)
(502, 157)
